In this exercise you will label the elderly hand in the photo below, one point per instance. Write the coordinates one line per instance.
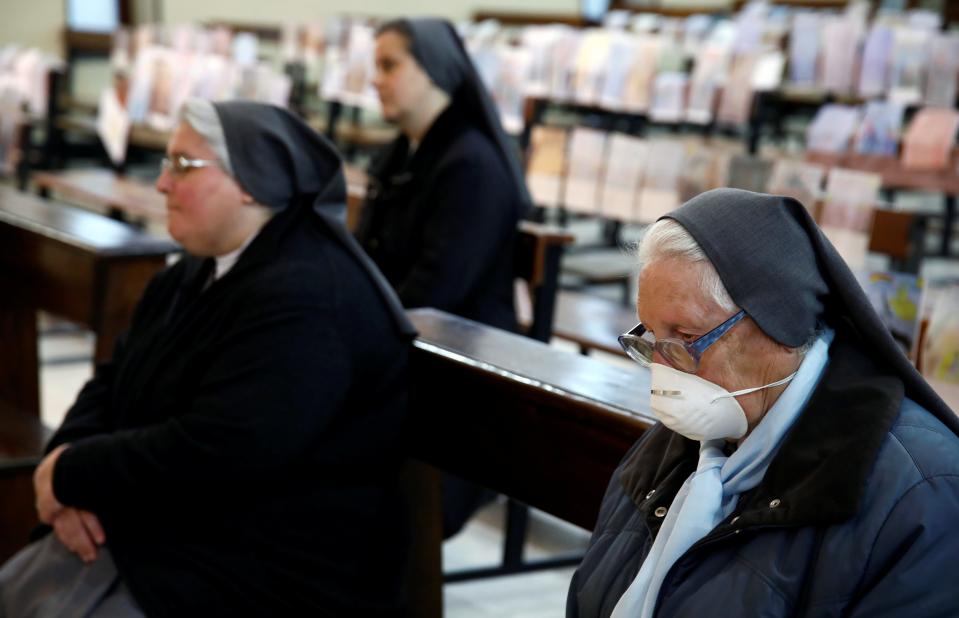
(47, 504)
(79, 531)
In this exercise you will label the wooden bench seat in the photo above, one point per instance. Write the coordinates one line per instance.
(122, 197)
(513, 414)
(75, 264)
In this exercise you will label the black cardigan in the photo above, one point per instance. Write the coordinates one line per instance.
(241, 452)
(441, 224)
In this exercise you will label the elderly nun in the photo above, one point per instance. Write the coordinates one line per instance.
(237, 456)
(802, 467)
(446, 196)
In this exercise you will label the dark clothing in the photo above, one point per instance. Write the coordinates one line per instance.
(855, 516)
(440, 52)
(441, 224)
(241, 449)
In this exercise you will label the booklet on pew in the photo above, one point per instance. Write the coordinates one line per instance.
(547, 162)
(908, 65)
(938, 358)
(709, 73)
(660, 189)
(847, 212)
(879, 131)
(832, 128)
(895, 297)
(669, 94)
(586, 155)
(876, 56)
(768, 72)
(942, 70)
(930, 138)
(799, 180)
(840, 43)
(509, 89)
(540, 41)
(639, 80)
(698, 173)
(622, 53)
(591, 58)
(113, 126)
(804, 49)
(564, 50)
(735, 102)
(625, 164)
(749, 173)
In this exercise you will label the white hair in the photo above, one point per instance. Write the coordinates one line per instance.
(201, 115)
(667, 239)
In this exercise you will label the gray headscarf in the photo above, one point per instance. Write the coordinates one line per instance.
(278, 159)
(439, 50)
(778, 266)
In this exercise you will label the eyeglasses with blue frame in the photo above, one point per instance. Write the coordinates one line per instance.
(640, 344)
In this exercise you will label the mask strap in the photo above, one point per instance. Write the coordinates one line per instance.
(746, 391)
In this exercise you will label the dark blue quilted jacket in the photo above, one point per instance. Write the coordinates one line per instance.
(858, 515)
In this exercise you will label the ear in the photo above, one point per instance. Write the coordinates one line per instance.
(246, 198)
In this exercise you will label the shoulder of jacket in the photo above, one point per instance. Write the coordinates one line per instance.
(923, 441)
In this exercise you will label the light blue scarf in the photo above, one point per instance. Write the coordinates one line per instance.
(710, 494)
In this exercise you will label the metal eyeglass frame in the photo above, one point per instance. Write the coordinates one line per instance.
(632, 343)
(180, 165)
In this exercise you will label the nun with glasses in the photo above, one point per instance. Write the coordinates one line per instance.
(238, 454)
(446, 196)
(801, 466)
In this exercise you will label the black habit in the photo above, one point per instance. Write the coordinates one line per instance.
(441, 223)
(241, 448)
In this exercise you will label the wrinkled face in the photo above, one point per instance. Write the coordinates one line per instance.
(403, 86)
(204, 204)
(672, 305)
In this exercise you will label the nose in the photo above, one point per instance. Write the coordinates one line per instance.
(658, 357)
(164, 183)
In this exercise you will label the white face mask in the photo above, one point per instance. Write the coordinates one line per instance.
(697, 408)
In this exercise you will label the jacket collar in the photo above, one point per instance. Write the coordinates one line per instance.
(820, 473)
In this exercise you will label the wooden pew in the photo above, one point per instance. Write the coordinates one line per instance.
(591, 322)
(518, 416)
(513, 414)
(22, 437)
(79, 265)
(896, 177)
(121, 197)
(540, 425)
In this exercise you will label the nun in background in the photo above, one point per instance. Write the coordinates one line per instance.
(446, 196)
(237, 456)
(802, 467)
